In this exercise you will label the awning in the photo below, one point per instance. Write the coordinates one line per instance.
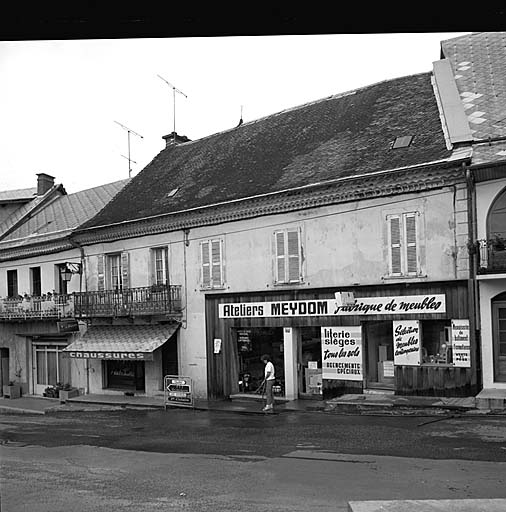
(121, 342)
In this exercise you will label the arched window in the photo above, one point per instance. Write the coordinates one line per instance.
(496, 222)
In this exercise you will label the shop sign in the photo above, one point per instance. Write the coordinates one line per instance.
(217, 345)
(178, 391)
(407, 347)
(400, 305)
(67, 325)
(461, 347)
(131, 356)
(342, 353)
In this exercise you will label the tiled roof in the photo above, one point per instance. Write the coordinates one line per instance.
(479, 65)
(340, 136)
(21, 194)
(124, 338)
(62, 215)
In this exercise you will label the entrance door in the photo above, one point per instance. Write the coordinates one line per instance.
(4, 368)
(51, 366)
(499, 337)
(380, 354)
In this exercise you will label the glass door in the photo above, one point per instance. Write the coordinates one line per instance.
(51, 366)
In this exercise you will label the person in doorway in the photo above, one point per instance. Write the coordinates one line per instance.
(269, 378)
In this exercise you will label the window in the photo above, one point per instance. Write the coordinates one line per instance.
(403, 244)
(212, 264)
(287, 256)
(160, 265)
(35, 283)
(113, 271)
(12, 283)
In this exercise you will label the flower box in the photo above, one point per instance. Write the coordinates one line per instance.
(64, 395)
(12, 391)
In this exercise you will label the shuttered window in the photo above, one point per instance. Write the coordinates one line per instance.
(113, 271)
(160, 260)
(212, 264)
(403, 244)
(287, 256)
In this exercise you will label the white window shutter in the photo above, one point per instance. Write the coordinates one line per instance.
(411, 246)
(394, 225)
(216, 273)
(125, 270)
(280, 257)
(206, 264)
(293, 251)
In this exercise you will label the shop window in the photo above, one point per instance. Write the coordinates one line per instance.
(287, 256)
(124, 375)
(12, 283)
(403, 244)
(212, 264)
(436, 342)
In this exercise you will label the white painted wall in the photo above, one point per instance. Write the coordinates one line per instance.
(344, 245)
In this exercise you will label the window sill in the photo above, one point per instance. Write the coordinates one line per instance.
(403, 277)
(213, 289)
(287, 285)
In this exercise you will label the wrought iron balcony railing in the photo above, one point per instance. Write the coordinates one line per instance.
(33, 308)
(150, 300)
(492, 256)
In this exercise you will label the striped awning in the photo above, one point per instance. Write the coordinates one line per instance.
(121, 342)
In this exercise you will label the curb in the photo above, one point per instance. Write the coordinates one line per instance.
(17, 410)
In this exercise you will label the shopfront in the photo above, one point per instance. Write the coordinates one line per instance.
(408, 340)
(127, 358)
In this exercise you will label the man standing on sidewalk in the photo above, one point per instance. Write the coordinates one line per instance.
(269, 378)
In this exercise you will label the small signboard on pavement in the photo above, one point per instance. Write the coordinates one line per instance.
(178, 391)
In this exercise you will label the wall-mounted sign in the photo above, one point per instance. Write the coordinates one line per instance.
(342, 353)
(217, 345)
(67, 325)
(178, 391)
(407, 347)
(401, 305)
(132, 356)
(461, 346)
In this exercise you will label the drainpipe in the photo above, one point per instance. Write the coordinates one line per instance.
(473, 290)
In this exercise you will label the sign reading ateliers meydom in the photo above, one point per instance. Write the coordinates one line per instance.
(408, 304)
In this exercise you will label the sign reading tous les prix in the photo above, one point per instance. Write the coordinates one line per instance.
(342, 353)
(461, 346)
(407, 305)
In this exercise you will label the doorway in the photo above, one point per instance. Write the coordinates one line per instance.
(309, 367)
(499, 339)
(51, 365)
(380, 354)
(4, 368)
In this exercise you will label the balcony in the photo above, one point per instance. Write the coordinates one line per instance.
(492, 256)
(129, 302)
(47, 307)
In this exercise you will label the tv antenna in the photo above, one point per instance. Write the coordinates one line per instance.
(129, 131)
(174, 90)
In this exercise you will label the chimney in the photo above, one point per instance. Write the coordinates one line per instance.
(173, 138)
(44, 183)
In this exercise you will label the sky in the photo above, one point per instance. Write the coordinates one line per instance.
(68, 107)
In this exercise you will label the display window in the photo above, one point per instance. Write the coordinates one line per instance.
(251, 344)
(127, 375)
(436, 342)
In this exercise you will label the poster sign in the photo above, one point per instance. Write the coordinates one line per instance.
(244, 340)
(461, 346)
(342, 353)
(407, 346)
(178, 391)
(217, 345)
(404, 304)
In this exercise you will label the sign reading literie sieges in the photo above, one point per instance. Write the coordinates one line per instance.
(408, 304)
(342, 353)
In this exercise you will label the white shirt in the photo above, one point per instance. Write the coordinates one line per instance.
(269, 371)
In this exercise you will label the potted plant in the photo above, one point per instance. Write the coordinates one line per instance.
(68, 392)
(12, 390)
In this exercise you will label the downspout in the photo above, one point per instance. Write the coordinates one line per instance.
(473, 291)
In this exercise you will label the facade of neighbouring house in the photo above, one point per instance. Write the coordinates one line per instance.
(39, 271)
(333, 236)
(478, 63)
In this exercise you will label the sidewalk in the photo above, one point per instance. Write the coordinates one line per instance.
(362, 404)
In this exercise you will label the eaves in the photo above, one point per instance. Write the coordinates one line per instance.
(382, 184)
(30, 251)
